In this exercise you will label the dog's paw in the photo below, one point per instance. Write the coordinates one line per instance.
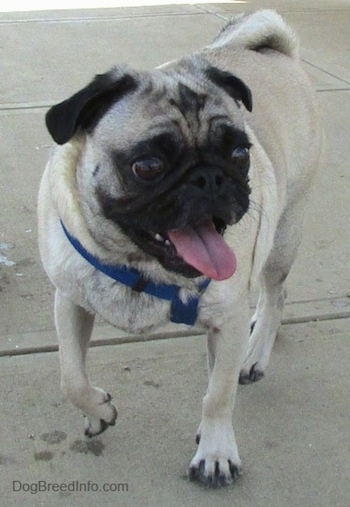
(250, 374)
(93, 426)
(216, 462)
(214, 473)
(105, 414)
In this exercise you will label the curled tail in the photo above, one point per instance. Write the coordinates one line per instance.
(261, 29)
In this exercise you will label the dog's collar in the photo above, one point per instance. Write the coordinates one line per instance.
(181, 313)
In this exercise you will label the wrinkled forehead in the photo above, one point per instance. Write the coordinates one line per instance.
(166, 102)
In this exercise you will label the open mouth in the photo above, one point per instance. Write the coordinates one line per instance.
(162, 240)
(199, 249)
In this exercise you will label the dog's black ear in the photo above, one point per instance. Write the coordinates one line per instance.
(232, 85)
(86, 107)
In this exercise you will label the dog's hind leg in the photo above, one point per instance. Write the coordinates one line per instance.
(267, 318)
(74, 327)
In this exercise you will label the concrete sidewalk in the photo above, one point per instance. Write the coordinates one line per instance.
(293, 427)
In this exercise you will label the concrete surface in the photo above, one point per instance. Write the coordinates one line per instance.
(293, 427)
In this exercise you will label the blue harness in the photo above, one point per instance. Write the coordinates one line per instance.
(181, 313)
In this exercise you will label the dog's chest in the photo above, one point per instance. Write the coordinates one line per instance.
(123, 307)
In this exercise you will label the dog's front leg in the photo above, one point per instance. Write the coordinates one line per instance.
(74, 327)
(216, 462)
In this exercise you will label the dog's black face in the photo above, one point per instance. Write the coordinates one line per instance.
(171, 161)
(174, 188)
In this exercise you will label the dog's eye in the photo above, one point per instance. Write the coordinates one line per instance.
(148, 169)
(240, 153)
(240, 157)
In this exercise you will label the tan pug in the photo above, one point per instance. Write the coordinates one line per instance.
(172, 192)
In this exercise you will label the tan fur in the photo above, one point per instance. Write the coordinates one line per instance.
(285, 132)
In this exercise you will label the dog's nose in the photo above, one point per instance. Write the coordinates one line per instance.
(210, 180)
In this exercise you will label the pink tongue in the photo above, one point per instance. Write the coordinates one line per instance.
(204, 248)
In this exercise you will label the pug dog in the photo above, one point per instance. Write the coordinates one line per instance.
(172, 192)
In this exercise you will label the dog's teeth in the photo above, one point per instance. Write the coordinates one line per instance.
(158, 237)
(167, 242)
